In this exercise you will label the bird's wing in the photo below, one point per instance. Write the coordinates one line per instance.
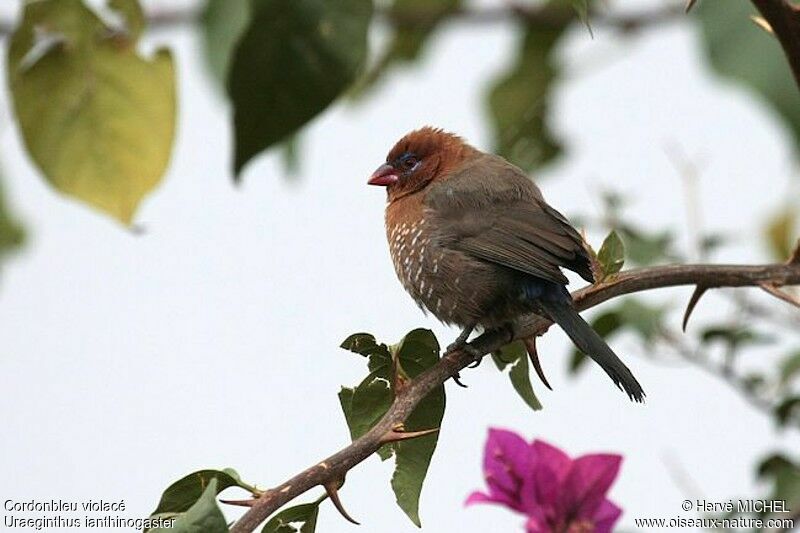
(490, 210)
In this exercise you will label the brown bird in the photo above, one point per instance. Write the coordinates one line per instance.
(474, 243)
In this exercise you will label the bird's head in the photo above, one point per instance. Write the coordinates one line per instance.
(418, 159)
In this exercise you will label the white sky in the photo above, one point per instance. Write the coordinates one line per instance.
(211, 341)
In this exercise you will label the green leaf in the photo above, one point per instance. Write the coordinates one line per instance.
(644, 248)
(293, 61)
(515, 355)
(184, 493)
(645, 320)
(378, 355)
(298, 519)
(223, 23)
(732, 336)
(788, 411)
(365, 405)
(97, 119)
(740, 51)
(418, 351)
(790, 368)
(519, 100)
(611, 255)
(11, 232)
(204, 516)
(780, 233)
(408, 40)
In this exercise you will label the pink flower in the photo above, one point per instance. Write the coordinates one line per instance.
(558, 494)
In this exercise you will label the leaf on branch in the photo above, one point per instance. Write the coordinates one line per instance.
(611, 256)
(203, 516)
(515, 356)
(297, 519)
(96, 118)
(739, 51)
(519, 101)
(294, 59)
(184, 493)
(365, 405)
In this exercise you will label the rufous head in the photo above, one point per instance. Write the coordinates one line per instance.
(418, 159)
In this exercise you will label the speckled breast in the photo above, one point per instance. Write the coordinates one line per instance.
(428, 271)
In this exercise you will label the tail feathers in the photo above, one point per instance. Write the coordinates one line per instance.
(589, 342)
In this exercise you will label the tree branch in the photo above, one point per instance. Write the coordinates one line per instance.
(784, 19)
(337, 465)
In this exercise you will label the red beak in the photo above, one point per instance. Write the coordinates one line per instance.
(384, 176)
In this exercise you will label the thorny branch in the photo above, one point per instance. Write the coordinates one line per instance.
(333, 469)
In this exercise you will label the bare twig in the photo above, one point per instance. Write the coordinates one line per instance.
(780, 294)
(784, 19)
(335, 466)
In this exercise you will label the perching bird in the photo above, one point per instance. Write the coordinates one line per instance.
(474, 243)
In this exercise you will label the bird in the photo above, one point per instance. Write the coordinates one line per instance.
(475, 244)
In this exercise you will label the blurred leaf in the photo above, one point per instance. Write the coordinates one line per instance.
(785, 475)
(304, 518)
(204, 516)
(605, 324)
(733, 337)
(184, 493)
(519, 101)
(645, 249)
(96, 118)
(11, 232)
(611, 255)
(710, 243)
(418, 351)
(790, 368)
(742, 52)
(132, 13)
(293, 61)
(780, 233)
(788, 411)
(409, 37)
(646, 320)
(514, 354)
(223, 23)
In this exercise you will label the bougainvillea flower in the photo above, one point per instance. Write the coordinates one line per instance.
(556, 493)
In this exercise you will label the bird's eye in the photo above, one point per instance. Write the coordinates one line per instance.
(410, 162)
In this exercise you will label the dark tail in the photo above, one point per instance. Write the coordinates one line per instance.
(589, 342)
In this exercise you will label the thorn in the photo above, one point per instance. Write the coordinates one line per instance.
(794, 259)
(240, 503)
(762, 23)
(457, 378)
(689, 5)
(780, 294)
(533, 354)
(332, 488)
(398, 433)
(698, 293)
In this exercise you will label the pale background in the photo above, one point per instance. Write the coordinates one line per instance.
(128, 361)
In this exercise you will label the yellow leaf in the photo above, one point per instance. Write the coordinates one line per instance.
(96, 118)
